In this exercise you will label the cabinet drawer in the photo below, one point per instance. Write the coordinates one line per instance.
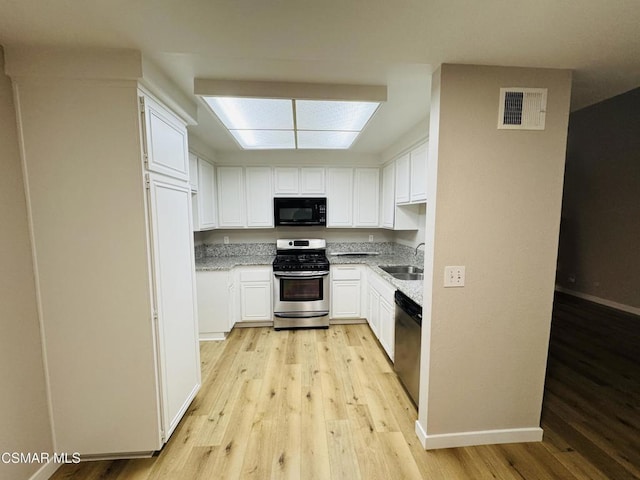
(261, 275)
(346, 272)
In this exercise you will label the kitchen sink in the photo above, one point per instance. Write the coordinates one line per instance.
(408, 276)
(402, 269)
(404, 272)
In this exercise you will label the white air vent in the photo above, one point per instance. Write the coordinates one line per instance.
(522, 108)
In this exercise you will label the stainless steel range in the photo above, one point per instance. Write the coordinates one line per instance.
(301, 287)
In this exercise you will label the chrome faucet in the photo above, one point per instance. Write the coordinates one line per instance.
(419, 245)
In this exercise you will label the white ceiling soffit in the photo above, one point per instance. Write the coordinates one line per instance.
(297, 90)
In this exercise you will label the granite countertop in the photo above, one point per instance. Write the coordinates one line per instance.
(411, 288)
(212, 264)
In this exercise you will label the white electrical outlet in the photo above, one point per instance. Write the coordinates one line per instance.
(454, 276)
(225, 239)
(371, 238)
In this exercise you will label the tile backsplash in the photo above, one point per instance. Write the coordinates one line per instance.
(239, 249)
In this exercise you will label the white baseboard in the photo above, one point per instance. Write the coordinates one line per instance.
(484, 437)
(46, 471)
(212, 336)
(602, 301)
(422, 435)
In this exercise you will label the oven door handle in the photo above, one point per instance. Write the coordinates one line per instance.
(296, 275)
(302, 314)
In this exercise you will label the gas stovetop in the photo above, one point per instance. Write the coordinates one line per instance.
(301, 254)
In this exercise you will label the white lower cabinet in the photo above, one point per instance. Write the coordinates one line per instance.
(387, 327)
(346, 291)
(381, 310)
(214, 306)
(255, 294)
(373, 310)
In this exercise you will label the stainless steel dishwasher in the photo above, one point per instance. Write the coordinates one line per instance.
(407, 343)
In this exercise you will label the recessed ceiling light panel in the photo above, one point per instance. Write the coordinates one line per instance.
(333, 115)
(252, 113)
(265, 139)
(320, 121)
(325, 139)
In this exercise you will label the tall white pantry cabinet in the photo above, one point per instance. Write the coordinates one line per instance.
(106, 175)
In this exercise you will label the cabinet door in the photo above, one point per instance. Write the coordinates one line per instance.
(213, 304)
(206, 196)
(259, 197)
(286, 181)
(387, 326)
(230, 197)
(367, 197)
(388, 196)
(164, 139)
(345, 299)
(193, 172)
(339, 197)
(255, 301)
(419, 158)
(174, 297)
(373, 314)
(403, 181)
(312, 181)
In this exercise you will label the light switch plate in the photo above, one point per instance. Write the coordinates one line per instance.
(454, 276)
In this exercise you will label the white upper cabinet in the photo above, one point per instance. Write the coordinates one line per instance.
(259, 197)
(339, 197)
(193, 172)
(206, 197)
(293, 181)
(230, 197)
(286, 181)
(312, 181)
(388, 196)
(411, 175)
(164, 140)
(366, 197)
(353, 197)
(419, 158)
(403, 179)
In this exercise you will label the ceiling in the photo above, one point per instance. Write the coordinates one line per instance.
(394, 43)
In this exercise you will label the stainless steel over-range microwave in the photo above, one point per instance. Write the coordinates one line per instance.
(299, 211)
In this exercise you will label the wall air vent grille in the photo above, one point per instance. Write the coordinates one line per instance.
(522, 108)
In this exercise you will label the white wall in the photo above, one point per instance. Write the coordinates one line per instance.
(86, 200)
(497, 199)
(24, 414)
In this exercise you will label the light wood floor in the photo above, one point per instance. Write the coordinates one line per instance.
(320, 404)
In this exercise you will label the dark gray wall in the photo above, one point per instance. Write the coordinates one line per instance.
(599, 252)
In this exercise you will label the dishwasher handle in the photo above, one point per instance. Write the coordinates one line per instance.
(408, 306)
